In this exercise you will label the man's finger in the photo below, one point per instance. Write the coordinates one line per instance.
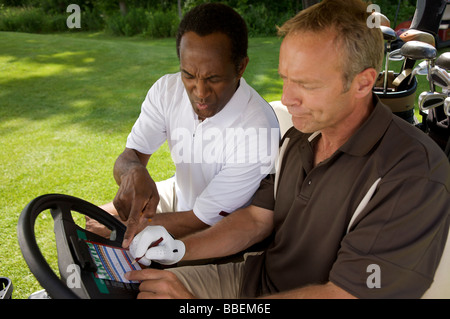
(159, 284)
(137, 217)
(132, 226)
(150, 209)
(144, 274)
(122, 210)
(129, 233)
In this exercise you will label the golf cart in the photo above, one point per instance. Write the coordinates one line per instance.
(88, 264)
(6, 288)
(84, 258)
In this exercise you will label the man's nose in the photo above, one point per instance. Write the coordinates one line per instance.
(202, 89)
(289, 96)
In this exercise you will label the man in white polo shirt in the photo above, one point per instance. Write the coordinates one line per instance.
(223, 136)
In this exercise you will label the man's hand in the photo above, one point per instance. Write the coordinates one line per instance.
(137, 198)
(155, 243)
(159, 284)
(95, 227)
(98, 228)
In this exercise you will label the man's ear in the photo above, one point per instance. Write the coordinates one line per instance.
(243, 66)
(365, 81)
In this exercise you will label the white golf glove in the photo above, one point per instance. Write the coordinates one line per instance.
(155, 243)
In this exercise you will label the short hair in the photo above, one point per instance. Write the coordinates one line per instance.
(209, 18)
(363, 47)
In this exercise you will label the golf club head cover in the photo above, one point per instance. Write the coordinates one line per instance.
(154, 243)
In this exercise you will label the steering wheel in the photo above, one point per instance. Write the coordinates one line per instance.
(69, 246)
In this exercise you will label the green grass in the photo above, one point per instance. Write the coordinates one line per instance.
(67, 104)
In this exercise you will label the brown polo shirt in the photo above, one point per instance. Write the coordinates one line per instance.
(395, 243)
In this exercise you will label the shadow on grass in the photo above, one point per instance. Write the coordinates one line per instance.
(262, 71)
(99, 83)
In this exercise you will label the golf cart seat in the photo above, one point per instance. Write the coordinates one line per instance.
(440, 288)
(284, 118)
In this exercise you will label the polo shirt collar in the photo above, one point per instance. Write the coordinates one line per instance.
(370, 132)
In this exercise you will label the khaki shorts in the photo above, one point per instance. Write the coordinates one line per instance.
(221, 281)
(167, 196)
(210, 281)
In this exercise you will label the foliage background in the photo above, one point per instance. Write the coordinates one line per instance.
(157, 18)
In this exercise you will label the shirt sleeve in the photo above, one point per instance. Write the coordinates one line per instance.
(235, 184)
(149, 131)
(395, 246)
(231, 189)
(264, 196)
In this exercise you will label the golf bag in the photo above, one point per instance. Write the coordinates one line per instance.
(427, 17)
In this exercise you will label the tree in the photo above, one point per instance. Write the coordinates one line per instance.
(180, 13)
(123, 7)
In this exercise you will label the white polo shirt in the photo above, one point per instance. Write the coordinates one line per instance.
(219, 161)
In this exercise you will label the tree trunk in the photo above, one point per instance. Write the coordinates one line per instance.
(123, 7)
(180, 13)
(308, 3)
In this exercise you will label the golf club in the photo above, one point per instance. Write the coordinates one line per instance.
(389, 35)
(384, 21)
(430, 100)
(395, 55)
(407, 36)
(417, 35)
(420, 69)
(417, 50)
(447, 106)
(440, 77)
(443, 61)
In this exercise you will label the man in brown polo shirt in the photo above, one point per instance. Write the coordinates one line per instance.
(360, 204)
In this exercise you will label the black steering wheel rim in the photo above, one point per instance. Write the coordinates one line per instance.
(61, 206)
